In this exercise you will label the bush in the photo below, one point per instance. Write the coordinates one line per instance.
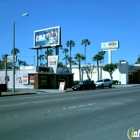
(116, 82)
(75, 82)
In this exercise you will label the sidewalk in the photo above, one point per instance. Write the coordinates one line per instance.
(23, 91)
(128, 85)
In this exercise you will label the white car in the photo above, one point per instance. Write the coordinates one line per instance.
(103, 83)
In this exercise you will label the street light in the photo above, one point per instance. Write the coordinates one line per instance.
(26, 14)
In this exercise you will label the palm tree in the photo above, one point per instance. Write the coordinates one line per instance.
(79, 57)
(19, 63)
(48, 53)
(102, 53)
(60, 64)
(70, 44)
(24, 63)
(98, 57)
(85, 42)
(16, 51)
(65, 50)
(41, 58)
(69, 59)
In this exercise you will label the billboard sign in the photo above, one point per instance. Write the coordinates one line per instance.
(47, 37)
(114, 45)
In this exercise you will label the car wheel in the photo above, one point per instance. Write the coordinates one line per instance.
(83, 88)
(102, 86)
(110, 86)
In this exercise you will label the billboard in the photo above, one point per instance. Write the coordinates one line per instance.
(114, 45)
(47, 37)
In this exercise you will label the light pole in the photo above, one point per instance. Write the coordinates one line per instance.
(26, 14)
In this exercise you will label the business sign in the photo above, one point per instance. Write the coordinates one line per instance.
(62, 86)
(25, 79)
(47, 37)
(10, 58)
(63, 70)
(52, 62)
(114, 45)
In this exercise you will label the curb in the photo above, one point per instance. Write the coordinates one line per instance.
(4, 94)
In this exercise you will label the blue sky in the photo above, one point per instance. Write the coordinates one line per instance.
(97, 20)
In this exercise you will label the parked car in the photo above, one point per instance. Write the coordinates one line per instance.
(103, 83)
(84, 85)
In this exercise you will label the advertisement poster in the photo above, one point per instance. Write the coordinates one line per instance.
(25, 79)
(62, 86)
(47, 37)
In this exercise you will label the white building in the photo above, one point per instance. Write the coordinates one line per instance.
(125, 73)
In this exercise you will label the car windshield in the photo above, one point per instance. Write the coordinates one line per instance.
(99, 81)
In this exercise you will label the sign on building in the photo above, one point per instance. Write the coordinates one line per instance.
(25, 79)
(52, 62)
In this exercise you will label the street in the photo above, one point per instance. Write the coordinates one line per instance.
(101, 114)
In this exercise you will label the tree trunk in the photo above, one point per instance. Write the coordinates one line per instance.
(70, 56)
(97, 69)
(85, 54)
(79, 71)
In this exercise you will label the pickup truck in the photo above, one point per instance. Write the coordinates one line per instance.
(84, 85)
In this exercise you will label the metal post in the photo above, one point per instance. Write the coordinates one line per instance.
(26, 14)
(109, 57)
(37, 57)
(6, 79)
(14, 57)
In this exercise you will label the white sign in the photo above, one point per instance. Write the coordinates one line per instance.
(10, 58)
(52, 62)
(114, 45)
(62, 86)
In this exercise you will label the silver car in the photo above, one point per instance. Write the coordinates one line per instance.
(103, 83)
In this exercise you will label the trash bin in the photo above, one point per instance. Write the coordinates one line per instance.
(3, 88)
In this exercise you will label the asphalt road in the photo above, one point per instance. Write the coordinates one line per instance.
(104, 114)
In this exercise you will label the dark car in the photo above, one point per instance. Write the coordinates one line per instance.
(84, 85)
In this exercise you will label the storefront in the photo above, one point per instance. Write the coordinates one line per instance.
(49, 81)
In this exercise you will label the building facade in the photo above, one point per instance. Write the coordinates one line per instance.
(44, 77)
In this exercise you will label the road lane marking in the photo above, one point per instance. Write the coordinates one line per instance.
(81, 106)
(36, 102)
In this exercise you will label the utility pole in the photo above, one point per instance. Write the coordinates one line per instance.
(6, 77)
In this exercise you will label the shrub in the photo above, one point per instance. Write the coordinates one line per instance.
(115, 82)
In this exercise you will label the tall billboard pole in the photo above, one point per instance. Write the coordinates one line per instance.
(110, 46)
(109, 56)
